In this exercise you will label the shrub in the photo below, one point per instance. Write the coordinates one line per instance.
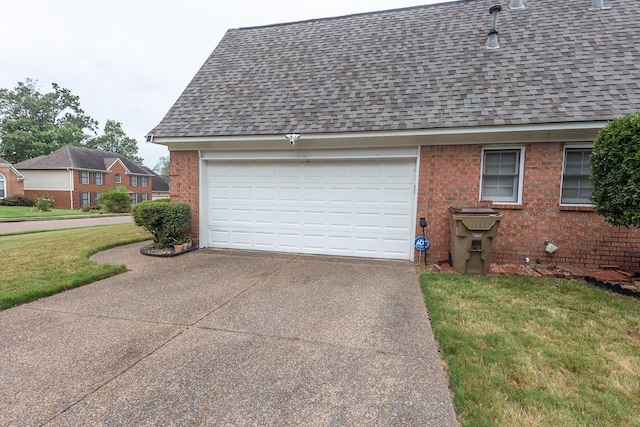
(18, 200)
(167, 222)
(615, 171)
(43, 203)
(115, 200)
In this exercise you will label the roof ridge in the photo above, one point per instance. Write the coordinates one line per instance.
(351, 15)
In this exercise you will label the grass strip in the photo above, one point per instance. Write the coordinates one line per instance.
(536, 351)
(41, 264)
(21, 212)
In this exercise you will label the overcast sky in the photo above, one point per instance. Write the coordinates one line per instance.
(129, 60)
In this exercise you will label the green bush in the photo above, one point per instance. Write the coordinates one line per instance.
(168, 222)
(43, 203)
(615, 171)
(18, 200)
(116, 200)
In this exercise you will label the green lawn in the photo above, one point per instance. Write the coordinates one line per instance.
(40, 264)
(14, 212)
(525, 351)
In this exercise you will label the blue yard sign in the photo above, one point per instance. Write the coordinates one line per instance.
(422, 243)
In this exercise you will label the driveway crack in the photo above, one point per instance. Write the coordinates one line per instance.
(114, 377)
(245, 290)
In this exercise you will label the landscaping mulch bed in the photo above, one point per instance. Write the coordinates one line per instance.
(168, 252)
(608, 277)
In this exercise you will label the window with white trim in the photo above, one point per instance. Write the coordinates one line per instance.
(576, 182)
(84, 177)
(143, 181)
(99, 177)
(143, 197)
(133, 180)
(3, 187)
(134, 198)
(502, 171)
(117, 178)
(96, 198)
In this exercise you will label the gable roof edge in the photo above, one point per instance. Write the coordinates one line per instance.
(460, 131)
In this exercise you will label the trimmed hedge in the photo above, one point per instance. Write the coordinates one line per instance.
(615, 171)
(168, 222)
(19, 200)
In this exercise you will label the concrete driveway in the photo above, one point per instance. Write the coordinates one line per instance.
(227, 338)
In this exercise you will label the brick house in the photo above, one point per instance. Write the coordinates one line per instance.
(335, 136)
(76, 176)
(11, 181)
(160, 188)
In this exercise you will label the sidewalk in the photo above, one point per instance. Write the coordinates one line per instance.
(55, 224)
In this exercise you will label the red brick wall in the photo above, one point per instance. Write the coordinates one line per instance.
(450, 176)
(13, 186)
(109, 182)
(184, 183)
(61, 199)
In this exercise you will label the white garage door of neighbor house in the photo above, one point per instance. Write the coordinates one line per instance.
(351, 208)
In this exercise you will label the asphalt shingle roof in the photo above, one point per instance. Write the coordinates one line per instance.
(70, 157)
(158, 183)
(4, 162)
(418, 68)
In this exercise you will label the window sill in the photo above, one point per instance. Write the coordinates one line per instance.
(576, 208)
(505, 206)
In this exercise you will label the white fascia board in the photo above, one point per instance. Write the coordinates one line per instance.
(551, 132)
(17, 173)
(295, 153)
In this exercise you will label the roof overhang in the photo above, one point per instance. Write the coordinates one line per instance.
(553, 132)
(14, 170)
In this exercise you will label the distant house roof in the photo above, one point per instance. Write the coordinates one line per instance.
(6, 164)
(158, 183)
(417, 68)
(70, 157)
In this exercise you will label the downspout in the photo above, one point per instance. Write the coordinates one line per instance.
(71, 186)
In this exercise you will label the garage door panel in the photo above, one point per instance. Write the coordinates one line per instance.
(361, 208)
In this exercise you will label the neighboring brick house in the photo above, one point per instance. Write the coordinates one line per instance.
(11, 181)
(76, 176)
(335, 136)
(160, 189)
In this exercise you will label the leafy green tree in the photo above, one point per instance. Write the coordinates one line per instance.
(115, 200)
(34, 123)
(615, 171)
(116, 141)
(162, 167)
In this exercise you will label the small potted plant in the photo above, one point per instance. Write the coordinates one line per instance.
(182, 242)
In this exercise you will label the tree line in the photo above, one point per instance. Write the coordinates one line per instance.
(33, 123)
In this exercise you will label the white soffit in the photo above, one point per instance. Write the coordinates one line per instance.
(561, 132)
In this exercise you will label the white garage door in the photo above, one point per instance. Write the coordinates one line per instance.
(350, 208)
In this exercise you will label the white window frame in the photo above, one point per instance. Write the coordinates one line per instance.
(84, 174)
(143, 181)
(134, 198)
(564, 159)
(133, 180)
(143, 197)
(3, 186)
(518, 200)
(95, 177)
(117, 178)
